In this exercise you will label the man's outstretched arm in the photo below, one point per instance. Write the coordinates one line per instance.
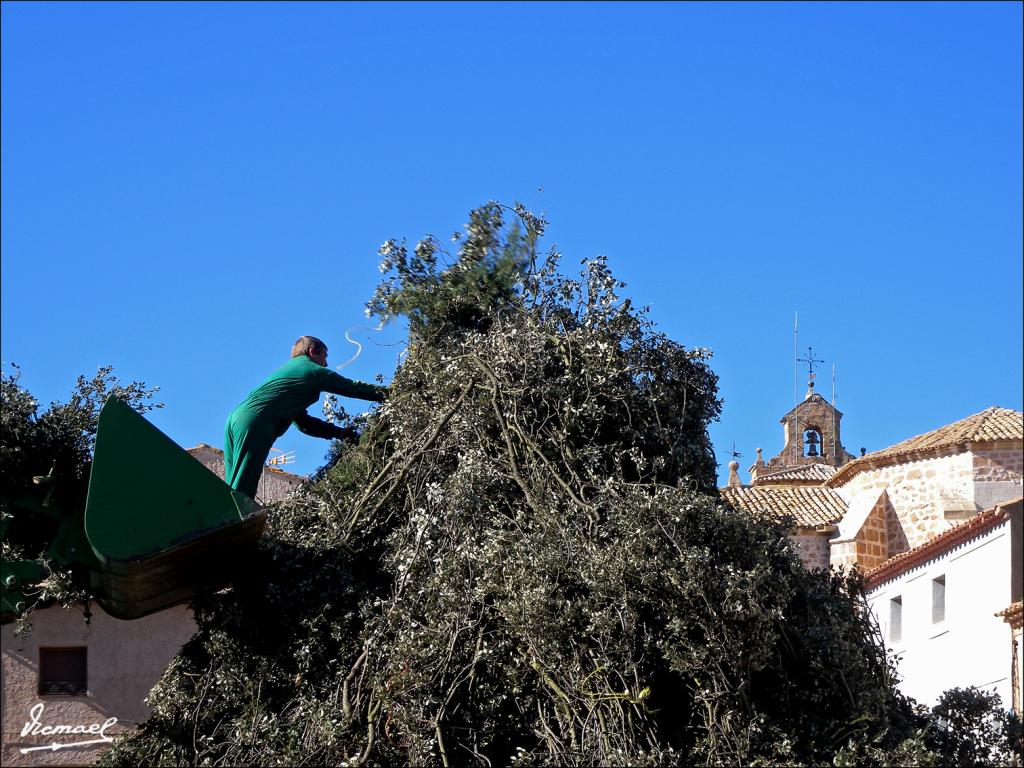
(339, 385)
(314, 427)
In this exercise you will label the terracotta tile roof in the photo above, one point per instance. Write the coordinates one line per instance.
(290, 475)
(809, 506)
(816, 472)
(990, 425)
(207, 447)
(970, 529)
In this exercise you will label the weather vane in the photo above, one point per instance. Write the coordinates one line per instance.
(810, 360)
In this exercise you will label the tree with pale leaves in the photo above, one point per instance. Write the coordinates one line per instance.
(524, 561)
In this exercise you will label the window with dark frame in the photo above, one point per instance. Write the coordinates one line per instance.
(63, 671)
(939, 599)
(896, 619)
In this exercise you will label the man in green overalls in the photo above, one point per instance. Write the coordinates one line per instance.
(280, 401)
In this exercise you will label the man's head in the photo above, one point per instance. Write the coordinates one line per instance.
(311, 347)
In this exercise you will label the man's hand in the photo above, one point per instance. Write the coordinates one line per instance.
(347, 434)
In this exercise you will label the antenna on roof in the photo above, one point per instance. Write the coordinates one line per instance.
(283, 458)
(735, 454)
(795, 353)
(835, 457)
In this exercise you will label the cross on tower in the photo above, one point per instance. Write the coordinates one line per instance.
(810, 360)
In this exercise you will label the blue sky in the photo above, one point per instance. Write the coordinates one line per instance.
(189, 187)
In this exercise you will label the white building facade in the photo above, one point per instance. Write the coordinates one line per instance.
(939, 607)
(934, 524)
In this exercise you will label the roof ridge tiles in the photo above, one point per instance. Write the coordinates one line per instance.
(991, 425)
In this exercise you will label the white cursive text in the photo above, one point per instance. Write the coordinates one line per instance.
(35, 727)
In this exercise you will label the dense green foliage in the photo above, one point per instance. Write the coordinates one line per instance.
(441, 301)
(974, 729)
(60, 438)
(523, 560)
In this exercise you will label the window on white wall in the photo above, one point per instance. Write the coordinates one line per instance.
(896, 619)
(939, 599)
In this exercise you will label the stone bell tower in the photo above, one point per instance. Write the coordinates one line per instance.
(812, 436)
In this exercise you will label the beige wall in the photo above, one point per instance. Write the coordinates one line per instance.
(867, 547)
(843, 554)
(915, 494)
(125, 658)
(921, 490)
(998, 469)
(812, 547)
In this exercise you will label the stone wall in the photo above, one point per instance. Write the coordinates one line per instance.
(895, 537)
(872, 539)
(921, 490)
(868, 545)
(843, 554)
(813, 413)
(812, 547)
(1000, 461)
(915, 489)
(998, 469)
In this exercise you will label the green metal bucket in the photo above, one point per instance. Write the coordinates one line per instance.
(162, 526)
